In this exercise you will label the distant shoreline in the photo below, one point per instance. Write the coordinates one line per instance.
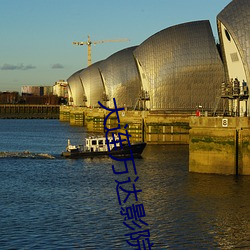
(24, 111)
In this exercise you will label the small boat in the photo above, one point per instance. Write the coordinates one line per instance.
(98, 147)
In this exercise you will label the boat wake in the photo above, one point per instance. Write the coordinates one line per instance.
(26, 154)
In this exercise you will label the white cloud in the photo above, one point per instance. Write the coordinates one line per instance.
(57, 66)
(21, 66)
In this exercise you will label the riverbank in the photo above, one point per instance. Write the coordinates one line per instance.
(25, 111)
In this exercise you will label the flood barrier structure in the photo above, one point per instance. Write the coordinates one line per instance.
(219, 145)
(153, 128)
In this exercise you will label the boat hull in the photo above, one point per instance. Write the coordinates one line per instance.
(125, 152)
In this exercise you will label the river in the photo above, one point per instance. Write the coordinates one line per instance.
(48, 202)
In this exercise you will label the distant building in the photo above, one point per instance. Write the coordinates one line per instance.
(9, 97)
(38, 95)
(37, 90)
(47, 90)
(60, 89)
(40, 100)
(30, 90)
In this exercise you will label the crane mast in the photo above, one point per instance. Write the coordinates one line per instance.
(89, 43)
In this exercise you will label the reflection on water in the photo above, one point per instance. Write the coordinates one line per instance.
(189, 210)
(72, 204)
(223, 202)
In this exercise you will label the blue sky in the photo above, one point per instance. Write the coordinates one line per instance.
(36, 35)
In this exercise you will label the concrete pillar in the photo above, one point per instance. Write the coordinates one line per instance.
(219, 145)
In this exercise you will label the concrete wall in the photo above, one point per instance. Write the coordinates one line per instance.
(167, 129)
(219, 145)
(216, 145)
(142, 125)
(64, 114)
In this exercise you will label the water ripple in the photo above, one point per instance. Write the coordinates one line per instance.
(72, 204)
(26, 154)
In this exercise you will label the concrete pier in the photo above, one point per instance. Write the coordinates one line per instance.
(219, 145)
(216, 145)
(151, 127)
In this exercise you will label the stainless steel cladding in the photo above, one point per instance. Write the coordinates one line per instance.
(92, 85)
(177, 69)
(180, 67)
(121, 78)
(234, 30)
(234, 33)
(75, 90)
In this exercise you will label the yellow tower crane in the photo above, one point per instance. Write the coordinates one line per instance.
(89, 43)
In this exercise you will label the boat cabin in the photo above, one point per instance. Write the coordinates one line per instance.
(100, 144)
